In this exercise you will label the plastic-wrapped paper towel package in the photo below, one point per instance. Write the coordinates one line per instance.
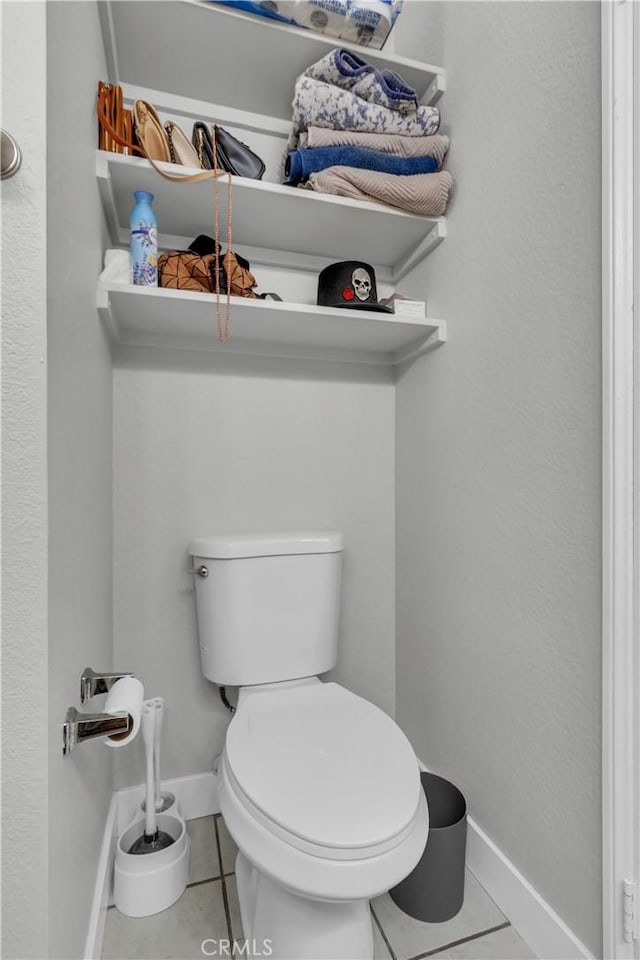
(365, 22)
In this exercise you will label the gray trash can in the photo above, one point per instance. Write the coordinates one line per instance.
(434, 890)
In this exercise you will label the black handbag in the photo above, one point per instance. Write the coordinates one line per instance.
(236, 157)
(232, 155)
(201, 139)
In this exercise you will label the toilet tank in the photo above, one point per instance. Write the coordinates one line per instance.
(269, 605)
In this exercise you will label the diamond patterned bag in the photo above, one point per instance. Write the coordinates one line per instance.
(191, 269)
(195, 269)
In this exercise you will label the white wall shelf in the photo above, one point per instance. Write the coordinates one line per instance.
(180, 319)
(223, 65)
(206, 52)
(267, 216)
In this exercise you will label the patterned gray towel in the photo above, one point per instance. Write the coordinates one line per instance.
(345, 69)
(320, 104)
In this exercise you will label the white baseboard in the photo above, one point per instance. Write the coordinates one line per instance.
(540, 926)
(537, 923)
(197, 796)
(101, 893)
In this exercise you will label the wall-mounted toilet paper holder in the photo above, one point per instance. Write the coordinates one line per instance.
(92, 683)
(79, 727)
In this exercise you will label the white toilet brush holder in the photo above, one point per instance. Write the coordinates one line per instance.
(152, 857)
(146, 884)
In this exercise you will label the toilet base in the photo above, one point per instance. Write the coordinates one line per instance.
(283, 926)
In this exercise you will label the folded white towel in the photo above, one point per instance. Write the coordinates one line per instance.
(117, 267)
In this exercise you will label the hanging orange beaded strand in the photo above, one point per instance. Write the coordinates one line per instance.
(223, 335)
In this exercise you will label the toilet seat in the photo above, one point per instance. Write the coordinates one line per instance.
(257, 768)
(323, 770)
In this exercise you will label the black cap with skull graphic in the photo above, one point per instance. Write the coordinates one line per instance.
(349, 283)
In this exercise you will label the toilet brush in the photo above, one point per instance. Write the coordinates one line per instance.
(162, 800)
(152, 839)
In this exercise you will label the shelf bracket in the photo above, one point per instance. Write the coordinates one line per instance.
(204, 109)
(434, 237)
(434, 91)
(105, 185)
(105, 14)
(435, 339)
(106, 314)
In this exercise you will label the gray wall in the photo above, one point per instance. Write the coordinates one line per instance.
(419, 32)
(80, 467)
(24, 489)
(498, 468)
(206, 444)
(498, 452)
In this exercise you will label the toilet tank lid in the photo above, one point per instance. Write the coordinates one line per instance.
(231, 546)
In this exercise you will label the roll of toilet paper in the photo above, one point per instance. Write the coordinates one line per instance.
(126, 694)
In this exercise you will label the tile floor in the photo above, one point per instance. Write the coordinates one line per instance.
(209, 909)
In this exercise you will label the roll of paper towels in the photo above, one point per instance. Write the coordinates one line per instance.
(126, 694)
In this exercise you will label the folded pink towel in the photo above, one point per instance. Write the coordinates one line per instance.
(426, 194)
(433, 146)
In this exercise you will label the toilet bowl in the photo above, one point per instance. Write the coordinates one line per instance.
(321, 792)
(319, 788)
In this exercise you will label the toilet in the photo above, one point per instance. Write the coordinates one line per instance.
(318, 787)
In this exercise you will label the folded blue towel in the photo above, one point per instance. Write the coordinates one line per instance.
(301, 163)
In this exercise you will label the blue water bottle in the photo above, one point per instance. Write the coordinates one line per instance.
(143, 228)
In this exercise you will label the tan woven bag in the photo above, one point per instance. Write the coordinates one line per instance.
(195, 269)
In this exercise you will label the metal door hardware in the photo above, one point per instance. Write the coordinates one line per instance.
(10, 155)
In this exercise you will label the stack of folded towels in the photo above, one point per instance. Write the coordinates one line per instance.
(360, 132)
